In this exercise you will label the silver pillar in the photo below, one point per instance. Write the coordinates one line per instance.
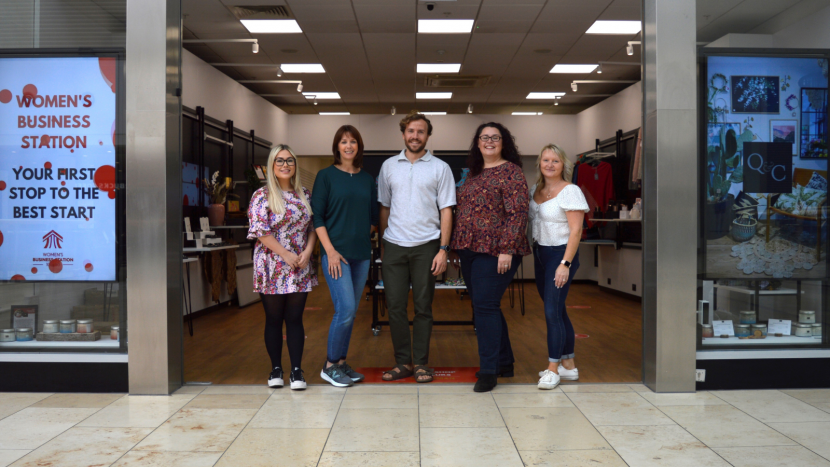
(154, 209)
(669, 194)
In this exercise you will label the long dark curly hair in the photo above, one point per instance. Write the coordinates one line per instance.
(509, 150)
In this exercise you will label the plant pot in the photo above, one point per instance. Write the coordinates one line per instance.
(717, 218)
(216, 214)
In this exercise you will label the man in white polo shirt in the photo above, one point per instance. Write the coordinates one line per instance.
(416, 191)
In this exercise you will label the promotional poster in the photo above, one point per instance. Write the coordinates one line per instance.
(57, 169)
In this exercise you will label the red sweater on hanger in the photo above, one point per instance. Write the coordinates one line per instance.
(598, 182)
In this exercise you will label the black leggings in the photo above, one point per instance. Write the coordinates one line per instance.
(288, 308)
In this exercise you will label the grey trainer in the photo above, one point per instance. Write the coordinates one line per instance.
(355, 376)
(336, 376)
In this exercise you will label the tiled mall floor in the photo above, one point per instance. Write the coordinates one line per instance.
(410, 425)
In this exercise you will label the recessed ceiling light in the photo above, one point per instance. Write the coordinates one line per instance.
(445, 26)
(573, 68)
(615, 27)
(439, 67)
(271, 26)
(302, 68)
(335, 113)
(433, 95)
(527, 113)
(322, 95)
(434, 113)
(545, 95)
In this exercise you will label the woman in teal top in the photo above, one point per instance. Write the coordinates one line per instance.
(345, 206)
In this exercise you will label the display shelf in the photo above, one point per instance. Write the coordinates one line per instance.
(104, 343)
(770, 340)
(748, 291)
(615, 220)
(189, 260)
(206, 249)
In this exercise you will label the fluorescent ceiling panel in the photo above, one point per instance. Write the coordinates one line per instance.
(573, 68)
(545, 95)
(271, 26)
(433, 95)
(445, 26)
(335, 113)
(614, 27)
(322, 95)
(434, 113)
(302, 68)
(439, 67)
(527, 113)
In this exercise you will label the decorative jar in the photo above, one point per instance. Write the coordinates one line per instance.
(803, 330)
(707, 330)
(8, 335)
(806, 317)
(742, 330)
(68, 326)
(50, 326)
(25, 334)
(114, 333)
(758, 327)
(816, 329)
(85, 325)
(747, 317)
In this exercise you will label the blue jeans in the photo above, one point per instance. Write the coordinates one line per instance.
(561, 338)
(486, 287)
(345, 294)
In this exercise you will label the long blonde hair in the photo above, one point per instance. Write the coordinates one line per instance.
(568, 166)
(276, 202)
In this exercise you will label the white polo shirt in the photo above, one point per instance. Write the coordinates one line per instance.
(415, 193)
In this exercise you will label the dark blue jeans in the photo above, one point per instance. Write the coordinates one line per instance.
(486, 287)
(561, 339)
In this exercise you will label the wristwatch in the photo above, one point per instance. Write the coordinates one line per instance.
(566, 263)
(444, 247)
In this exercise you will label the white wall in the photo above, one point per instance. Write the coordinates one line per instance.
(223, 99)
(311, 135)
(622, 111)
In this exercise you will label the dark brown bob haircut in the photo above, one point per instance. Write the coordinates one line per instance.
(358, 158)
(414, 116)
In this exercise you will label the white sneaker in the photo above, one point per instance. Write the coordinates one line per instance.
(549, 380)
(564, 373)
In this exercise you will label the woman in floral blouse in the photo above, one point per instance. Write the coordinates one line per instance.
(280, 218)
(489, 237)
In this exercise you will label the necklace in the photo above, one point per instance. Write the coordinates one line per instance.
(549, 193)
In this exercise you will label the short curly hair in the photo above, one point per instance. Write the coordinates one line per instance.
(414, 116)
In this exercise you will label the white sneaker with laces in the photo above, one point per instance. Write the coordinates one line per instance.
(549, 380)
(565, 374)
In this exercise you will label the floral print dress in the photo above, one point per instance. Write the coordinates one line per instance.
(271, 273)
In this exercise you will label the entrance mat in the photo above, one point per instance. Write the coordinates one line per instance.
(446, 374)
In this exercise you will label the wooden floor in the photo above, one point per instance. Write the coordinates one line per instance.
(228, 348)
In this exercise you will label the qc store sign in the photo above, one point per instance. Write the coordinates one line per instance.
(57, 169)
(768, 167)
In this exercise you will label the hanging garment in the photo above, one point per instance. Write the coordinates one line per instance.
(636, 169)
(598, 182)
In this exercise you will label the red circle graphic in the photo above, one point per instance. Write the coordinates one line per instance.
(5, 96)
(34, 270)
(18, 277)
(88, 267)
(55, 265)
(30, 91)
(47, 165)
(105, 179)
(1, 238)
(2, 185)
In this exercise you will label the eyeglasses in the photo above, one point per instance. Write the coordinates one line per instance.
(280, 162)
(488, 138)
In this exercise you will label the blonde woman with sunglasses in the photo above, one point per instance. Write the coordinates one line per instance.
(281, 220)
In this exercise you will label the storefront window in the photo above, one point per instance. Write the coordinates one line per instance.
(763, 162)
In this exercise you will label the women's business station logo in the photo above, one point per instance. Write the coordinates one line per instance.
(57, 168)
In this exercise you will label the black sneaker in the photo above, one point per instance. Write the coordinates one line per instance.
(297, 381)
(335, 375)
(355, 376)
(275, 380)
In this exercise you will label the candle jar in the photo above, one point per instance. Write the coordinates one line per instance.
(803, 330)
(816, 329)
(68, 326)
(747, 317)
(84, 325)
(806, 317)
(758, 327)
(8, 335)
(707, 330)
(114, 333)
(50, 326)
(25, 334)
(741, 330)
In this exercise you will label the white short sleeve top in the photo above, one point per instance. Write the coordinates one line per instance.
(549, 224)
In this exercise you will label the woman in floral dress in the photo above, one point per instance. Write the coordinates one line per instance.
(280, 218)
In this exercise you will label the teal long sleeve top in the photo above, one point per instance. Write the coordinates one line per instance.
(347, 206)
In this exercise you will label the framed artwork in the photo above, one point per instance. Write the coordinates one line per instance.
(784, 131)
(756, 94)
(714, 129)
(260, 172)
(24, 316)
(813, 133)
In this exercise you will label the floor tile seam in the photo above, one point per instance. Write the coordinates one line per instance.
(225, 451)
(507, 428)
(75, 426)
(420, 448)
(796, 442)
(827, 458)
(767, 424)
(596, 429)
(150, 433)
(331, 428)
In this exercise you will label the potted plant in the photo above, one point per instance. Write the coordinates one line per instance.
(218, 192)
(718, 213)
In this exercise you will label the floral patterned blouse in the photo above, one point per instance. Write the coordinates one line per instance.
(492, 212)
(271, 274)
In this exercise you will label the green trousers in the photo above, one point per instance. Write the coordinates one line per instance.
(402, 266)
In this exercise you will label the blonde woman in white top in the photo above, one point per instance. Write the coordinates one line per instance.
(557, 208)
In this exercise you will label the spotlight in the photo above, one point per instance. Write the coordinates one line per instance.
(255, 47)
(300, 87)
(315, 101)
(470, 109)
(573, 87)
(556, 103)
(629, 49)
(599, 70)
(279, 72)
(393, 110)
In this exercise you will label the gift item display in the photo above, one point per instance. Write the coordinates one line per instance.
(51, 326)
(25, 334)
(85, 326)
(7, 335)
(114, 333)
(803, 330)
(806, 317)
(742, 330)
(758, 327)
(747, 317)
(68, 326)
(707, 331)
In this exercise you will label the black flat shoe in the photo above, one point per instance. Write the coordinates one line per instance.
(504, 371)
(486, 383)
